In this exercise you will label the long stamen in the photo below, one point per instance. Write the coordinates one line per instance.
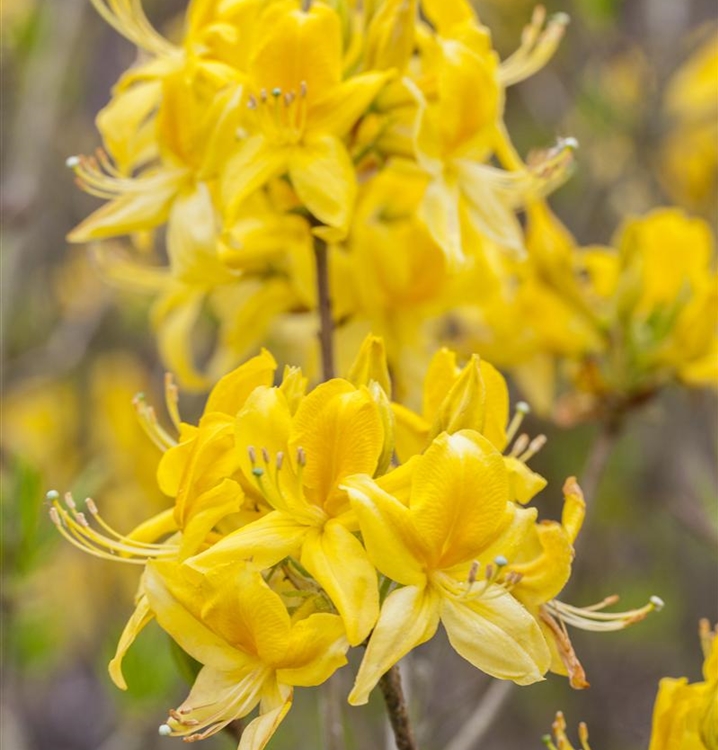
(591, 618)
(537, 47)
(148, 420)
(172, 400)
(522, 409)
(76, 529)
(128, 18)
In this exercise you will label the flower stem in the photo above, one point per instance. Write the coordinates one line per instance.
(326, 325)
(390, 685)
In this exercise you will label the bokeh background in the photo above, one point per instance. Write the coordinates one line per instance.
(75, 351)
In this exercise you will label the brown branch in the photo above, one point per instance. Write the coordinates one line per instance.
(390, 685)
(326, 325)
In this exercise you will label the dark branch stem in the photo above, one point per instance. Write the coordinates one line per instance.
(390, 685)
(326, 325)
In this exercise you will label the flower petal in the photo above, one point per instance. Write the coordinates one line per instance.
(497, 635)
(409, 617)
(339, 563)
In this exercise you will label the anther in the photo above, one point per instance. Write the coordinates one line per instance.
(252, 102)
(165, 730)
(70, 501)
(252, 454)
(263, 95)
(534, 447)
(301, 457)
(501, 561)
(258, 471)
(570, 142)
(72, 162)
(55, 516)
(489, 573)
(657, 602)
(473, 572)
(303, 89)
(279, 460)
(265, 455)
(52, 495)
(289, 97)
(276, 92)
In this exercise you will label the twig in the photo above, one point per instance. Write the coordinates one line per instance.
(326, 326)
(481, 720)
(390, 685)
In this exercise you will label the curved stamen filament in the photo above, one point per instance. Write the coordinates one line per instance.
(538, 45)
(76, 529)
(148, 421)
(591, 618)
(128, 18)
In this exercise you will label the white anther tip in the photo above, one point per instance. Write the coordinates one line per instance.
(501, 561)
(72, 161)
(523, 407)
(563, 18)
(52, 495)
(569, 142)
(657, 602)
(165, 730)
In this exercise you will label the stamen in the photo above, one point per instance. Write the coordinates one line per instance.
(522, 409)
(165, 730)
(520, 445)
(591, 618)
(128, 19)
(148, 421)
(172, 400)
(72, 162)
(534, 447)
(473, 572)
(252, 454)
(537, 47)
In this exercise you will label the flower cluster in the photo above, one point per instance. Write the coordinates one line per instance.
(375, 128)
(612, 321)
(295, 535)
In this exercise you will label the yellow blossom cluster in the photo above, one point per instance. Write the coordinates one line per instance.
(616, 323)
(374, 127)
(295, 535)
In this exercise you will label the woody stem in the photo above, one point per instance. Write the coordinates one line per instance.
(326, 324)
(390, 685)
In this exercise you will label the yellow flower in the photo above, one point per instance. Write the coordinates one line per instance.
(298, 110)
(686, 715)
(458, 127)
(473, 397)
(297, 455)
(422, 523)
(253, 653)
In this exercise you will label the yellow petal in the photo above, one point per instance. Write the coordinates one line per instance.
(524, 482)
(464, 406)
(254, 163)
(340, 429)
(339, 563)
(207, 510)
(409, 617)
(259, 731)
(411, 431)
(370, 364)
(392, 542)
(317, 648)
(497, 405)
(139, 618)
(440, 376)
(323, 175)
(191, 634)
(497, 635)
(459, 497)
(231, 392)
(265, 542)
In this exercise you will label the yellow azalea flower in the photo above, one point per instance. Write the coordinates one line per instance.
(457, 131)
(473, 397)
(297, 459)
(252, 652)
(422, 522)
(298, 110)
(686, 715)
(560, 740)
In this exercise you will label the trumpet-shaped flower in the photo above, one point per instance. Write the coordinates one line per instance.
(421, 523)
(297, 457)
(252, 652)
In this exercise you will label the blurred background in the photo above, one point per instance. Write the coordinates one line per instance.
(75, 351)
